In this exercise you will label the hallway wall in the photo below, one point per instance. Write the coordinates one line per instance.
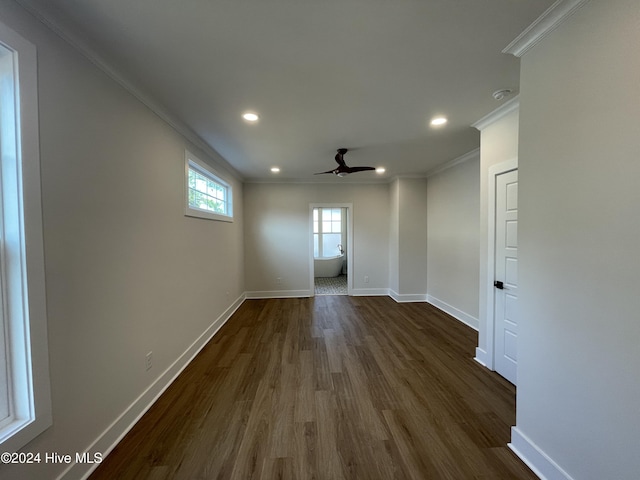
(453, 227)
(578, 383)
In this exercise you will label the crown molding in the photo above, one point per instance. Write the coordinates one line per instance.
(90, 54)
(307, 181)
(502, 111)
(545, 24)
(472, 155)
(407, 176)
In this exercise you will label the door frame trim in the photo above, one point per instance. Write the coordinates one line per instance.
(494, 171)
(349, 207)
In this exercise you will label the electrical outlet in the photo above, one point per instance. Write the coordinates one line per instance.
(279, 280)
(149, 360)
(366, 279)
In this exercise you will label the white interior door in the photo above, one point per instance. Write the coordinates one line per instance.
(506, 276)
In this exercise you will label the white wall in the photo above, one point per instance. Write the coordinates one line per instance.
(453, 213)
(579, 351)
(126, 271)
(413, 237)
(408, 253)
(277, 235)
(394, 235)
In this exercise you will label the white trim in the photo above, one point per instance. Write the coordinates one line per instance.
(538, 461)
(370, 292)
(331, 180)
(349, 207)
(278, 294)
(551, 19)
(407, 298)
(459, 315)
(502, 111)
(472, 155)
(91, 55)
(356, 292)
(402, 176)
(481, 357)
(494, 171)
(108, 439)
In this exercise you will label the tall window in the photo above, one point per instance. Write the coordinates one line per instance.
(7, 116)
(327, 232)
(207, 195)
(25, 404)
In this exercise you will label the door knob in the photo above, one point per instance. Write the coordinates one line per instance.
(498, 284)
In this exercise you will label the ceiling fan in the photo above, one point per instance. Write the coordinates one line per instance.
(342, 169)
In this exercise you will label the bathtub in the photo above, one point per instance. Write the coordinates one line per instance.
(327, 266)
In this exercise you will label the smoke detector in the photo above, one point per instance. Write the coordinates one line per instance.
(500, 94)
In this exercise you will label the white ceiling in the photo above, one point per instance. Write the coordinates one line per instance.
(322, 74)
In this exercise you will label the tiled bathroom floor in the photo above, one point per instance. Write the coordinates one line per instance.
(331, 285)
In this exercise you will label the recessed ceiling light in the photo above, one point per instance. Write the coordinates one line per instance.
(250, 117)
(438, 121)
(275, 169)
(380, 170)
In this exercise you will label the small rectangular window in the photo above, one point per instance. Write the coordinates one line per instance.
(207, 195)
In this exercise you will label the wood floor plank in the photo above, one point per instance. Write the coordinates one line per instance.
(329, 455)
(331, 387)
(305, 393)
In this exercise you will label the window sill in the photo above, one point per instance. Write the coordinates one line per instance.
(195, 213)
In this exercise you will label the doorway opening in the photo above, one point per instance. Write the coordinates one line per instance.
(330, 249)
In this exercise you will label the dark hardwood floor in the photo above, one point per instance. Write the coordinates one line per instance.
(330, 387)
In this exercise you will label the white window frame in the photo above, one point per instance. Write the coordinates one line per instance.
(22, 277)
(191, 162)
(320, 233)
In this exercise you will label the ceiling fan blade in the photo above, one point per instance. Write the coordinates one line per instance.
(360, 169)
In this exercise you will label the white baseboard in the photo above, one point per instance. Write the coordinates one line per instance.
(407, 298)
(278, 294)
(370, 292)
(121, 426)
(482, 357)
(454, 312)
(538, 461)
